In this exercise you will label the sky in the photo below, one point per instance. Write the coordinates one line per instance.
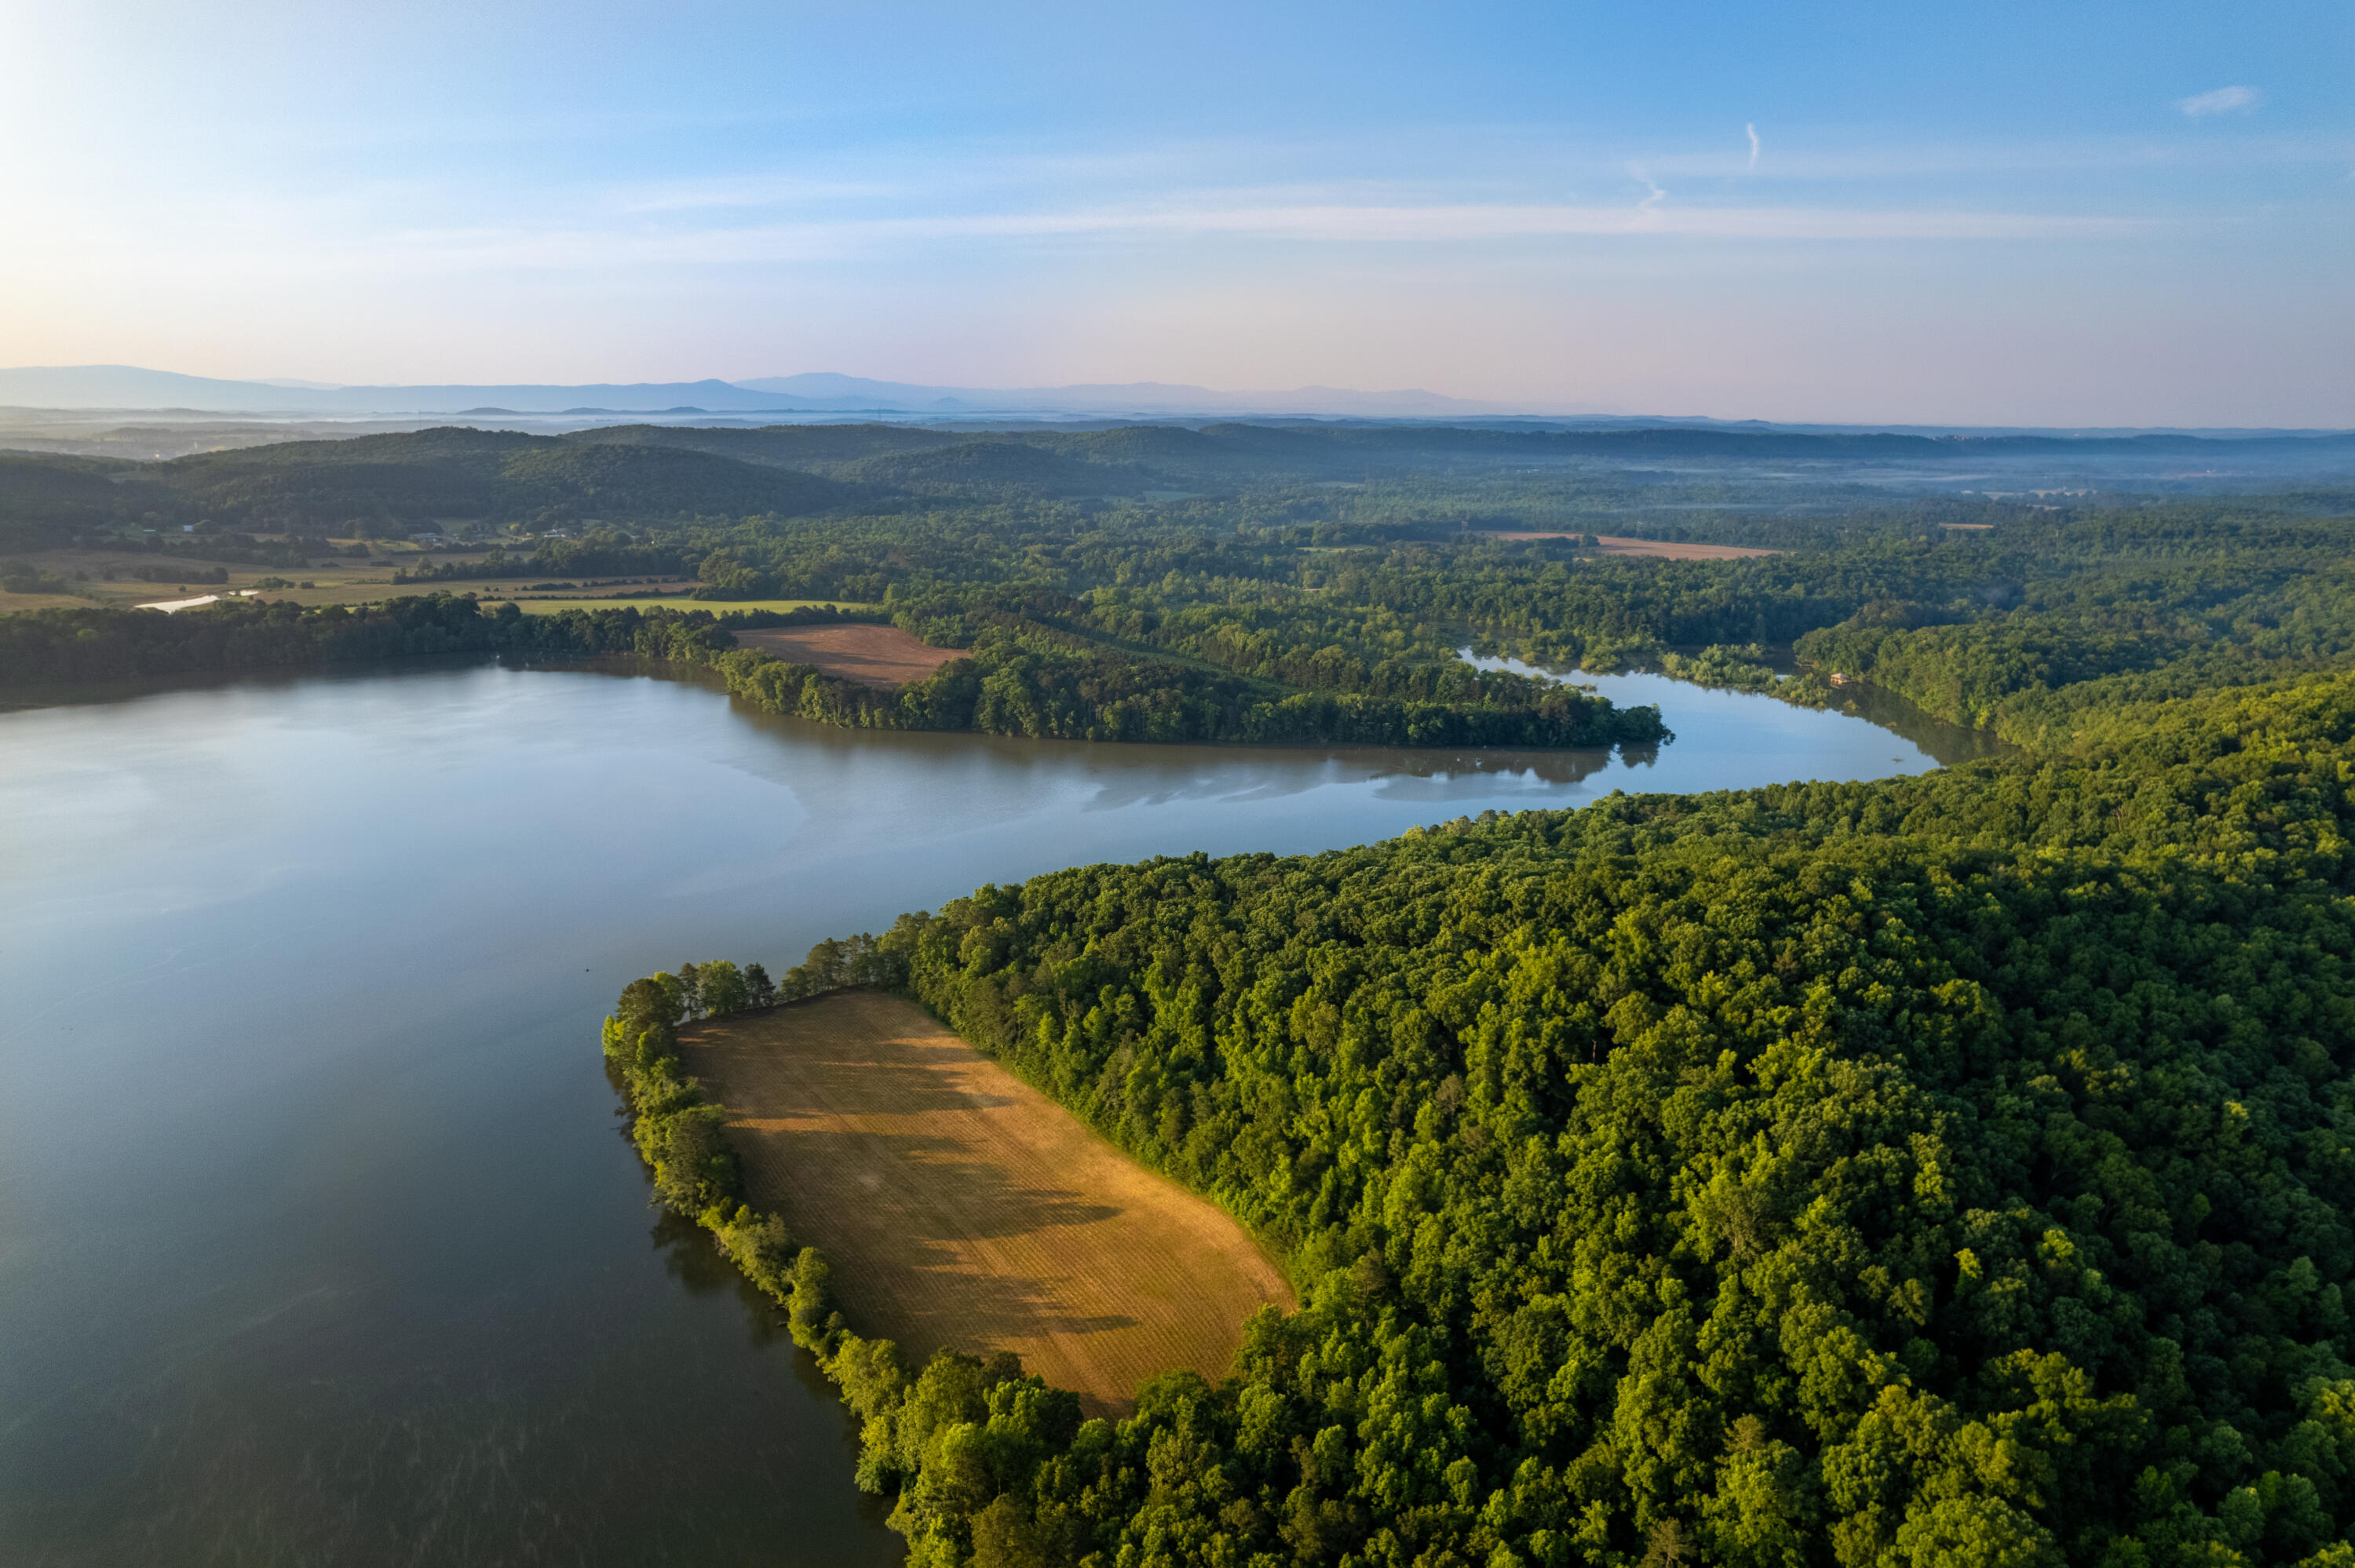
(2051, 213)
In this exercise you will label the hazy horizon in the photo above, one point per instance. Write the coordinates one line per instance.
(2011, 217)
(171, 395)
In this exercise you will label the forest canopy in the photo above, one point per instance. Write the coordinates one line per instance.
(1956, 1170)
(1942, 1170)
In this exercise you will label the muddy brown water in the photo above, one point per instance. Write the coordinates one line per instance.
(319, 1237)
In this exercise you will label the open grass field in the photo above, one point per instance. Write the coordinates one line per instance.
(335, 585)
(344, 580)
(872, 655)
(962, 1208)
(1615, 544)
(17, 603)
(550, 604)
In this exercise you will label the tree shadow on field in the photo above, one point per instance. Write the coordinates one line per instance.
(891, 1076)
(894, 1212)
(952, 1216)
(912, 1188)
(944, 1301)
(934, 1078)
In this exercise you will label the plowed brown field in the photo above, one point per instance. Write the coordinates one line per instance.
(874, 655)
(960, 1207)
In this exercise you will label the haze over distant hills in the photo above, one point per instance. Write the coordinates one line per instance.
(131, 387)
(81, 392)
(827, 388)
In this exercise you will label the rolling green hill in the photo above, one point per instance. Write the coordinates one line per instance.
(618, 484)
(1166, 451)
(417, 479)
(815, 449)
(46, 500)
(1000, 466)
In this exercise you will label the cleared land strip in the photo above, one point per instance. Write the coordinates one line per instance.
(872, 655)
(1618, 544)
(961, 1207)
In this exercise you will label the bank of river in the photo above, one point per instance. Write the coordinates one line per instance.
(318, 1238)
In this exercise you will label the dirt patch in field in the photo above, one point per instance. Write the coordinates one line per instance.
(1615, 545)
(873, 655)
(961, 1207)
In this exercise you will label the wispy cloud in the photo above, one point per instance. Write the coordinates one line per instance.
(310, 240)
(2222, 101)
(755, 191)
(1650, 205)
(567, 249)
(1455, 166)
(1797, 162)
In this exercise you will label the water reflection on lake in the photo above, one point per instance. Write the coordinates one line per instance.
(318, 1239)
(1720, 719)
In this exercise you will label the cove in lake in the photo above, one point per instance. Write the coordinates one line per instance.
(319, 1240)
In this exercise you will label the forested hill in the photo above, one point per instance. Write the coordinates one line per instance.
(1236, 453)
(650, 474)
(1952, 1170)
(1305, 444)
(430, 479)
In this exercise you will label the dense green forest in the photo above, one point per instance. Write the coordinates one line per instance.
(1943, 1170)
(1937, 1171)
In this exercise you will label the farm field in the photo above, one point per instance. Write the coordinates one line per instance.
(1618, 544)
(346, 581)
(349, 585)
(872, 655)
(350, 581)
(962, 1208)
(552, 604)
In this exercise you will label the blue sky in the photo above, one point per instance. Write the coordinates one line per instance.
(1996, 213)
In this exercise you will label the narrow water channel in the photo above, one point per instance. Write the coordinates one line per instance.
(319, 1238)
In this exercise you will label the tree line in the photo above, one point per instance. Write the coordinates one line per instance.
(1020, 679)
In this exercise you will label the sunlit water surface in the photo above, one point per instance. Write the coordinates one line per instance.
(319, 1238)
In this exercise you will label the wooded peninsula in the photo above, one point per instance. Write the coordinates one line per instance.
(1951, 1170)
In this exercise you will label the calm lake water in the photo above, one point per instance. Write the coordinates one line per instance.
(319, 1238)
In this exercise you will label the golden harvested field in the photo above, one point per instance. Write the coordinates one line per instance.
(962, 1208)
(1615, 545)
(872, 655)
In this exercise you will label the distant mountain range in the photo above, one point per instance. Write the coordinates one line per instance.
(823, 395)
(129, 387)
(828, 390)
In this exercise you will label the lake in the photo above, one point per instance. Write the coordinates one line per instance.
(320, 1239)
